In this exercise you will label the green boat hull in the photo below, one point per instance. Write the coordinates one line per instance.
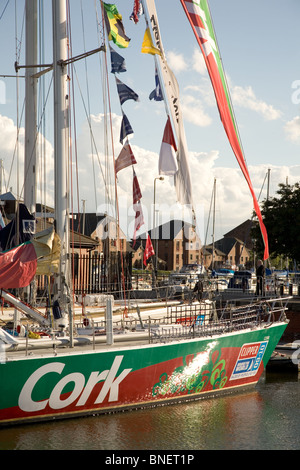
(118, 378)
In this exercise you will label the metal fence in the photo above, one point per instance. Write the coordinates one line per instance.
(96, 274)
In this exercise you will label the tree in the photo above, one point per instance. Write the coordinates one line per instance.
(282, 220)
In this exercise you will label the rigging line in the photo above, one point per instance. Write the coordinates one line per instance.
(92, 134)
(38, 128)
(42, 95)
(71, 86)
(88, 98)
(102, 40)
(3, 11)
(114, 163)
(266, 175)
(211, 200)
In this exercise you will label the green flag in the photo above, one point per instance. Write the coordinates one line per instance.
(114, 25)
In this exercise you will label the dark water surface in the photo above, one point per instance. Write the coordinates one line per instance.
(267, 418)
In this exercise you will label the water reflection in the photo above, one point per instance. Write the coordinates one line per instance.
(266, 418)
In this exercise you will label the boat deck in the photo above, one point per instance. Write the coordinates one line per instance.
(176, 323)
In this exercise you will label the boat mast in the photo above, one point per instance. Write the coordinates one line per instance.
(214, 220)
(30, 108)
(61, 146)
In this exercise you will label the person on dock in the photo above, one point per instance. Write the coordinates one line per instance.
(260, 278)
(198, 290)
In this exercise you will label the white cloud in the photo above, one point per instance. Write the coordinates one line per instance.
(245, 98)
(234, 202)
(292, 129)
(176, 62)
(193, 111)
(198, 62)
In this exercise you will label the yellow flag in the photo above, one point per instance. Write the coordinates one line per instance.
(147, 46)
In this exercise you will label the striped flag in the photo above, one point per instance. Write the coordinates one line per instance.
(149, 251)
(114, 26)
(125, 158)
(199, 17)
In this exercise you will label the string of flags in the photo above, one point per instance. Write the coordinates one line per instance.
(116, 33)
(168, 151)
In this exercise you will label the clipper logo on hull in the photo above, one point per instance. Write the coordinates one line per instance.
(249, 360)
(81, 389)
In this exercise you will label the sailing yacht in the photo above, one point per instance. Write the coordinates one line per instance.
(178, 353)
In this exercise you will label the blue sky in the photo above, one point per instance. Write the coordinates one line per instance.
(259, 43)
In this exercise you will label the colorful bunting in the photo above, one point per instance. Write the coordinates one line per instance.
(125, 158)
(114, 26)
(167, 164)
(199, 17)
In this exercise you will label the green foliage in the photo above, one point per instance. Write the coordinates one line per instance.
(281, 217)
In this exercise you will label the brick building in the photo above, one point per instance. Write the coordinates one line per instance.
(176, 243)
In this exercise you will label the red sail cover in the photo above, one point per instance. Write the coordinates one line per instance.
(18, 266)
(199, 17)
(40, 255)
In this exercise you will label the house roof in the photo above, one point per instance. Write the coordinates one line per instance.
(7, 196)
(166, 231)
(243, 232)
(225, 245)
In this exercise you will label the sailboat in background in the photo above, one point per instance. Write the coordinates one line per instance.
(175, 353)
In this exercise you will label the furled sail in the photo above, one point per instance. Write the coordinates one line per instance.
(199, 17)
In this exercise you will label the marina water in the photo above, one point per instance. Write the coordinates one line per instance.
(266, 418)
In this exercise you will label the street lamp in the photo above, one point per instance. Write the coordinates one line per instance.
(161, 178)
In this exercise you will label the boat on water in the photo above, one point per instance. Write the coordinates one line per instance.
(171, 354)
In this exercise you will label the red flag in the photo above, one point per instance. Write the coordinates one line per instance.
(126, 158)
(199, 17)
(167, 164)
(136, 192)
(149, 251)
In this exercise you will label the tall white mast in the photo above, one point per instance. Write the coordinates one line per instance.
(61, 146)
(30, 169)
